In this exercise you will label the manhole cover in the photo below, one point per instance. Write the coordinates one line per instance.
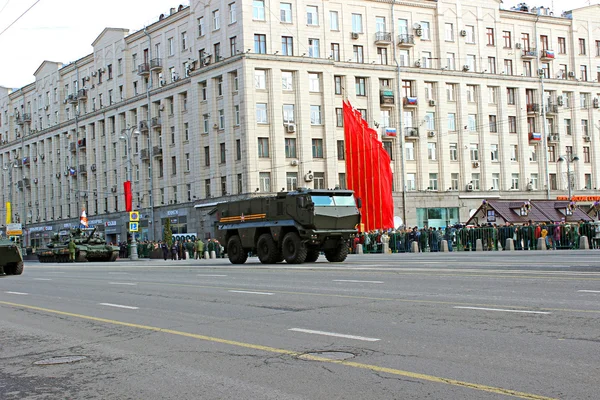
(60, 360)
(333, 355)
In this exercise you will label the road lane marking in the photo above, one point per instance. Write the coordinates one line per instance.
(589, 291)
(42, 279)
(55, 272)
(295, 354)
(503, 310)
(19, 293)
(341, 335)
(118, 273)
(355, 281)
(244, 291)
(209, 275)
(119, 306)
(123, 283)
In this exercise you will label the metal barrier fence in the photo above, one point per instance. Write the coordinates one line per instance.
(556, 236)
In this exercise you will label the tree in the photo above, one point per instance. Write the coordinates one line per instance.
(167, 233)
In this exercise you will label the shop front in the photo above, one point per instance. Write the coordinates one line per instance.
(40, 236)
(112, 232)
(178, 220)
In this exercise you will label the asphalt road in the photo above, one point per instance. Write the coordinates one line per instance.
(414, 326)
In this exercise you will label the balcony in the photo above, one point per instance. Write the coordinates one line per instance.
(144, 69)
(529, 53)
(406, 40)
(410, 102)
(386, 98)
(551, 108)
(547, 55)
(156, 65)
(553, 137)
(73, 147)
(533, 108)
(383, 38)
(411, 133)
(71, 99)
(20, 185)
(23, 118)
(82, 94)
(81, 143)
(145, 154)
(83, 169)
(157, 151)
(155, 122)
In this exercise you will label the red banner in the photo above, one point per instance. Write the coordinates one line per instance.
(127, 187)
(368, 171)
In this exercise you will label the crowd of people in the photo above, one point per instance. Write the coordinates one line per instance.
(178, 250)
(464, 238)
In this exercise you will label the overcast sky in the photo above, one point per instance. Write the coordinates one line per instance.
(63, 30)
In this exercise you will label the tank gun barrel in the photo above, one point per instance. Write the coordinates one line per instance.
(91, 234)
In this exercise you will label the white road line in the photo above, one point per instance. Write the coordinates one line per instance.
(54, 272)
(243, 291)
(42, 279)
(353, 281)
(118, 273)
(123, 283)
(366, 339)
(503, 310)
(119, 306)
(209, 275)
(589, 291)
(20, 293)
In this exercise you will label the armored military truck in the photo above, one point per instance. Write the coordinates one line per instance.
(292, 226)
(11, 259)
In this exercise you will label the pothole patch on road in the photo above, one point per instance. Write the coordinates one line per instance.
(60, 360)
(333, 355)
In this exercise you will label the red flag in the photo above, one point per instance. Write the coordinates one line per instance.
(127, 187)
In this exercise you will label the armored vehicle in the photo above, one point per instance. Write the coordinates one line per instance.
(11, 260)
(87, 248)
(292, 226)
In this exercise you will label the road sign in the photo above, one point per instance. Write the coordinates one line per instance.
(14, 229)
(134, 216)
(134, 226)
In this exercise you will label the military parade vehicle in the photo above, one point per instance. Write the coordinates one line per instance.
(292, 226)
(11, 259)
(87, 248)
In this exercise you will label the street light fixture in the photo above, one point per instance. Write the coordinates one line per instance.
(126, 135)
(569, 159)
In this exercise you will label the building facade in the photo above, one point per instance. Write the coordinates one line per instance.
(243, 98)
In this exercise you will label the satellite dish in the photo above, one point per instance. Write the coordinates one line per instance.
(416, 25)
(397, 222)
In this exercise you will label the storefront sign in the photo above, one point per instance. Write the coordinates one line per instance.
(14, 229)
(110, 223)
(40, 228)
(579, 198)
(171, 213)
(95, 222)
(111, 227)
(185, 236)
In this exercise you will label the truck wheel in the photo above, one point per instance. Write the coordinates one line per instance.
(294, 251)
(235, 251)
(313, 254)
(266, 248)
(18, 268)
(337, 254)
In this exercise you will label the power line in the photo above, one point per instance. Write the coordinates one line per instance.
(19, 17)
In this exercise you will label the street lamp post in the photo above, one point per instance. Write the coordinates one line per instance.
(126, 135)
(569, 159)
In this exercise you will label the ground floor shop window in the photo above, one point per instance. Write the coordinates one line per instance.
(437, 217)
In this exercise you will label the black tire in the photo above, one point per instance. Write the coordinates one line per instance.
(235, 251)
(18, 268)
(266, 249)
(313, 254)
(293, 250)
(339, 253)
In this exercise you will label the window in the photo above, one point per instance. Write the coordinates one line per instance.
(411, 182)
(433, 181)
(544, 42)
(380, 24)
(474, 150)
(525, 41)
(288, 113)
(493, 124)
(265, 181)
(319, 182)
(585, 127)
(454, 181)
(358, 54)
(206, 156)
(410, 150)
(216, 20)
(219, 80)
(287, 46)
(425, 31)
(184, 41)
(552, 179)
(492, 65)
(568, 126)
(562, 71)
(342, 181)
(450, 61)
(221, 119)
(341, 151)
(470, 37)
(386, 117)
(432, 151)
(312, 15)
(453, 151)
(203, 90)
(238, 149)
(527, 68)
(588, 181)
(512, 124)
(339, 117)
(260, 44)
(489, 32)
(287, 81)
(426, 59)
(313, 48)
(263, 147)
(508, 67)
(492, 94)
(261, 113)
(382, 55)
(583, 72)
(335, 51)
(586, 154)
(315, 115)
(334, 21)
(494, 152)
(201, 26)
(174, 165)
(514, 152)
(233, 46)
(476, 181)
(582, 48)
(533, 153)
(428, 86)
(562, 45)
(472, 62)
(514, 182)
(187, 162)
(361, 87)
(170, 47)
(450, 91)
(507, 37)
(471, 93)
(430, 120)
(260, 79)
(317, 148)
(205, 123)
(236, 114)
(449, 32)
(357, 25)
(233, 13)
(285, 12)
(404, 56)
(258, 10)
(290, 147)
(314, 84)
(222, 153)
(510, 96)
(291, 181)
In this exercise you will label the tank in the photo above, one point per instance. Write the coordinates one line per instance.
(11, 259)
(87, 248)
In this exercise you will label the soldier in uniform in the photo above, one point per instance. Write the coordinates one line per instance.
(72, 248)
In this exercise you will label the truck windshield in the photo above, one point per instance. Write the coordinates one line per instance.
(332, 201)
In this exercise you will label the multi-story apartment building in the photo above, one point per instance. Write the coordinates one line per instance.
(240, 97)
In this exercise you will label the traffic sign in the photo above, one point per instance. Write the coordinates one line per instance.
(134, 226)
(14, 229)
(134, 216)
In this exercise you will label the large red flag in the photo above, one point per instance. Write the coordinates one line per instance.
(127, 187)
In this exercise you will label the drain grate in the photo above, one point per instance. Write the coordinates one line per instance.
(60, 360)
